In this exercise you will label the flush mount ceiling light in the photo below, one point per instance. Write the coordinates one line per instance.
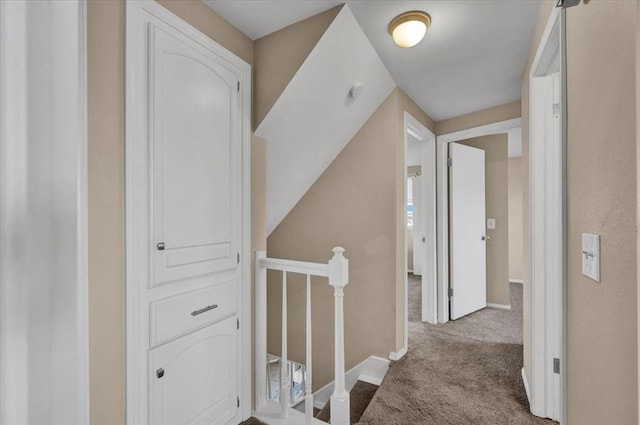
(408, 29)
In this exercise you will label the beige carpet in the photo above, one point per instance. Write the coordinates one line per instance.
(359, 398)
(253, 421)
(464, 372)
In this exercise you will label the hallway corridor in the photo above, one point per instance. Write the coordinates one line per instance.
(464, 372)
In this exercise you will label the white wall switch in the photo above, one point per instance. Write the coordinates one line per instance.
(591, 256)
(491, 223)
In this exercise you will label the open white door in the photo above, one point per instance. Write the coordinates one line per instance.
(417, 226)
(467, 230)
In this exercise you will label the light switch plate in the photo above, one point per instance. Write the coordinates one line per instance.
(591, 256)
(491, 223)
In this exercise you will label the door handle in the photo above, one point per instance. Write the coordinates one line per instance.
(204, 309)
(485, 238)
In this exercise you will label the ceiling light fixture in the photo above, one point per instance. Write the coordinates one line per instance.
(408, 29)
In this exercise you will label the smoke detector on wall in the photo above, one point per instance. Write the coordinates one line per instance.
(356, 90)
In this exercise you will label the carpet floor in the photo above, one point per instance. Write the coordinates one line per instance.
(463, 372)
(253, 421)
(359, 398)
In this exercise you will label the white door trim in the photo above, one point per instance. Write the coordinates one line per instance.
(547, 223)
(429, 268)
(443, 204)
(136, 350)
(66, 64)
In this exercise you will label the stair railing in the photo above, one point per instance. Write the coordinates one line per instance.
(337, 272)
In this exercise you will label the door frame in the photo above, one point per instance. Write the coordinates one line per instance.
(547, 227)
(16, 59)
(501, 127)
(416, 129)
(136, 348)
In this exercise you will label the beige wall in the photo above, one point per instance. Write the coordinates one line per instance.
(516, 201)
(602, 321)
(105, 73)
(475, 119)
(356, 204)
(404, 104)
(602, 365)
(279, 55)
(638, 176)
(545, 11)
(497, 206)
(105, 48)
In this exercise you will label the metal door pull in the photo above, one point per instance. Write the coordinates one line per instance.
(204, 309)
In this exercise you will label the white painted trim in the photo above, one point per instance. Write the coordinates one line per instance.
(270, 414)
(443, 205)
(371, 370)
(246, 393)
(520, 281)
(430, 268)
(83, 221)
(526, 384)
(483, 130)
(547, 223)
(65, 68)
(370, 379)
(136, 351)
(397, 355)
(499, 306)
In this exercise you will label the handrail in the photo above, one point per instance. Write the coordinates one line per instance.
(337, 271)
(292, 266)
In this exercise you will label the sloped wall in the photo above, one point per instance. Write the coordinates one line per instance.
(279, 55)
(354, 204)
(315, 117)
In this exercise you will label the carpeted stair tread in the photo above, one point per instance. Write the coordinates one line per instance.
(253, 421)
(359, 397)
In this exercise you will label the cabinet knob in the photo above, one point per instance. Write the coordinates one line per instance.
(160, 246)
(160, 373)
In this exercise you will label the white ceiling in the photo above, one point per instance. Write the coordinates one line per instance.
(471, 59)
(257, 18)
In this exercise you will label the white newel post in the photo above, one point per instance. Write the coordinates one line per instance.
(261, 330)
(338, 278)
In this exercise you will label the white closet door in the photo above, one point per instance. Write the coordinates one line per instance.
(196, 149)
(193, 379)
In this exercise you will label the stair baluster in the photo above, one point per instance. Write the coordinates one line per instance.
(337, 271)
(308, 398)
(285, 383)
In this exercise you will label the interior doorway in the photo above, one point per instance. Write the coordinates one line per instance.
(547, 224)
(420, 221)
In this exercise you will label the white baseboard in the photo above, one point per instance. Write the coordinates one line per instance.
(526, 386)
(499, 306)
(371, 370)
(397, 356)
(516, 281)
